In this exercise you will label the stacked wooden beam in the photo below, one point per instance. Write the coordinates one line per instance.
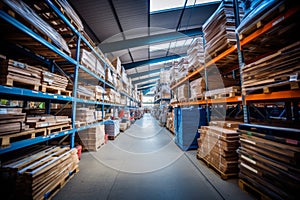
(85, 115)
(113, 95)
(219, 30)
(13, 73)
(12, 120)
(279, 71)
(41, 121)
(270, 159)
(55, 80)
(218, 143)
(42, 174)
(195, 54)
(85, 92)
(93, 138)
(223, 92)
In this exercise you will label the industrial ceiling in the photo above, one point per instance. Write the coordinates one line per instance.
(144, 40)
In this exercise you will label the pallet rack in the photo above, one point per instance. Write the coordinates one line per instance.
(236, 51)
(69, 65)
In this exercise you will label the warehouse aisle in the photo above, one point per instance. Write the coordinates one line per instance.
(144, 163)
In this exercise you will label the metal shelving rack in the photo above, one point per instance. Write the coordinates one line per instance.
(24, 94)
(244, 99)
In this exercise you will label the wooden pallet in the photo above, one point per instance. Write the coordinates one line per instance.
(223, 175)
(61, 184)
(58, 128)
(15, 81)
(198, 98)
(55, 90)
(6, 140)
(113, 137)
(85, 97)
(248, 188)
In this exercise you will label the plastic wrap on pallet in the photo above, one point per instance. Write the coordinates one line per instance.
(25, 11)
(108, 75)
(112, 127)
(100, 68)
(69, 10)
(88, 59)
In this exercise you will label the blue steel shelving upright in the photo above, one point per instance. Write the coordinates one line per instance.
(24, 94)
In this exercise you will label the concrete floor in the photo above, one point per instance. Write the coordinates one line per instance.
(144, 163)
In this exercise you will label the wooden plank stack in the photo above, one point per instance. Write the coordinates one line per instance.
(45, 120)
(42, 174)
(93, 138)
(12, 120)
(85, 115)
(223, 92)
(218, 143)
(51, 81)
(270, 160)
(114, 97)
(197, 88)
(278, 71)
(84, 92)
(219, 30)
(17, 74)
(195, 54)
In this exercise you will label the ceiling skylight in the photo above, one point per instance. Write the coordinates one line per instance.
(164, 5)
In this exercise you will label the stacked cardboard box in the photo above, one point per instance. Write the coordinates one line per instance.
(269, 160)
(85, 115)
(92, 138)
(218, 144)
(195, 54)
(197, 88)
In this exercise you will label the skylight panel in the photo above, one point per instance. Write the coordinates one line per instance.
(165, 5)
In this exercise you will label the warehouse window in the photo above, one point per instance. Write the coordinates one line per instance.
(166, 5)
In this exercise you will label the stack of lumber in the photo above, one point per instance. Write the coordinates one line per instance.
(42, 174)
(195, 54)
(183, 66)
(173, 74)
(197, 88)
(113, 95)
(108, 76)
(13, 73)
(223, 92)
(183, 93)
(12, 120)
(269, 160)
(218, 144)
(279, 71)
(45, 120)
(117, 65)
(38, 24)
(85, 93)
(85, 115)
(98, 91)
(219, 29)
(55, 80)
(164, 76)
(93, 138)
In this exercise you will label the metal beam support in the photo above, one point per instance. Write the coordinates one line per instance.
(135, 75)
(148, 40)
(145, 79)
(147, 84)
(146, 87)
(151, 61)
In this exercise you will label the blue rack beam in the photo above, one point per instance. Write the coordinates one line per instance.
(25, 143)
(33, 94)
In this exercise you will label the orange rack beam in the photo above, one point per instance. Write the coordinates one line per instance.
(290, 94)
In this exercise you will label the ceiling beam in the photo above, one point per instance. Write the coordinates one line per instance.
(146, 84)
(145, 79)
(147, 40)
(152, 61)
(146, 87)
(135, 75)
